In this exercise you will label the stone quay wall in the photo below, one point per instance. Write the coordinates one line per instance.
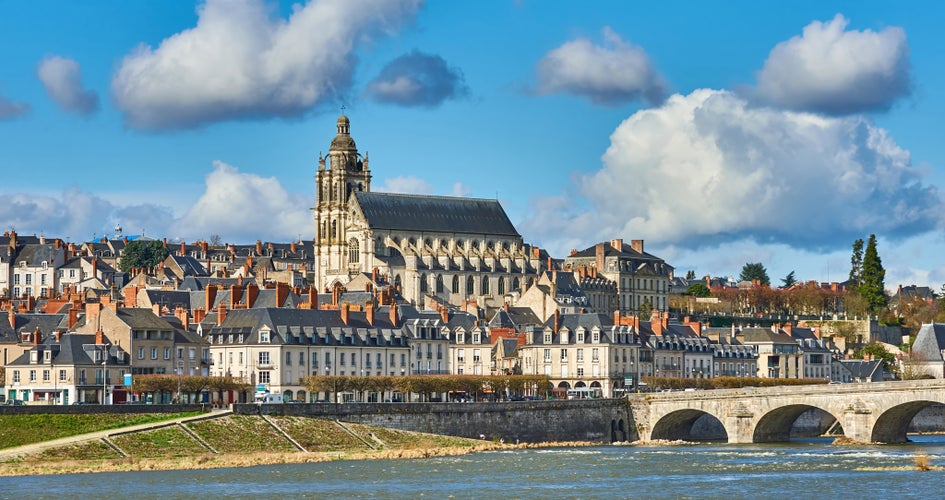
(599, 420)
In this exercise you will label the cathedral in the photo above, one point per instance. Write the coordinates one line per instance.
(456, 249)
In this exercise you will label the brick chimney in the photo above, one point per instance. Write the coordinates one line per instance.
(393, 314)
(184, 316)
(236, 295)
(345, 309)
(199, 315)
(92, 310)
(335, 295)
(599, 255)
(637, 245)
(258, 247)
(94, 267)
(369, 312)
(221, 314)
(156, 309)
(282, 293)
(617, 317)
(788, 328)
(204, 247)
(557, 322)
(696, 326)
(550, 264)
(617, 244)
(444, 315)
(536, 253)
(292, 247)
(73, 318)
(183, 249)
(164, 242)
(37, 336)
(99, 337)
(211, 295)
(131, 298)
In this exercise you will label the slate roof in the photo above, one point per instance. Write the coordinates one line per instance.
(764, 335)
(70, 351)
(515, 317)
(171, 298)
(35, 255)
(142, 319)
(293, 326)
(929, 343)
(405, 212)
(190, 266)
(863, 370)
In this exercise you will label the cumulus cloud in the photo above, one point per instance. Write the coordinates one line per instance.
(418, 79)
(62, 79)
(461, 190)
(77, 215)
(245, 207)
(406, 184)
(708, 168)
(10, 109)
(241, 62)
(610, 74)
(833, 71)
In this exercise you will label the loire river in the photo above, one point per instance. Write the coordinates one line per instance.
(806, 469)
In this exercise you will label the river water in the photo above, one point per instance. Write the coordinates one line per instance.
(802, 469)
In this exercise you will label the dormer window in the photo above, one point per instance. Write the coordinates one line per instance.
(45, 265)
(580, 336)
(547, 338)
(264, 336)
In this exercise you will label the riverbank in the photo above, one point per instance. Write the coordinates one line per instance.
(33, 466)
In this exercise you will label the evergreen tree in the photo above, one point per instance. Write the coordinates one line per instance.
(699, 290)
(856, 264)
(789, 280)
(754, 271)
(139, 254)
(872, 278)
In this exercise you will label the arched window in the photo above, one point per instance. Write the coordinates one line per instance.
(455, 287)
(484, 288)
(515, 284)
(354, 251)
(397, 283)
(423, 283)
(439, 283)
(334, 230)
(501, 286)
(470, 285)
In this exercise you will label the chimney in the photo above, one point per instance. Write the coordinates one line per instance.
(99, 337)
(236, 295)
(505, 306)
(211, 294)
(549, 263)
(183, 249)
(282, 293)
(664, 319)
(204, 247)
(557, 322)
(156, 309)
(617, 244)
(444, 315)
(374, 275)
(788, 328)
(617, 317)
(258, 247)
(164, 242)
(92, 310)
(335, 294)
(221, 314)
(199, 315)
(184, 317)
(696, 327)
(56, 243)
(71, 249)
(816, 331)
(57, 335)
(37, 336)
(637, 245)
(94, 267)
(73, 318)
(574, 251)
(536, 253)
(599, 255)
(369, 312)
(393, 314)
(344, 312)
(292, 247)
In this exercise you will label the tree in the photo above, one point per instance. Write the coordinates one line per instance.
(856, 263)
(690, 275)
(754, 271)
(646, 308)
(876, 351)
(698, 290)
(216, 240)
(789, 280)
(872, 278)
(142, 254)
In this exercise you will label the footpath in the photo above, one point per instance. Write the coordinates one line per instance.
(29, 449)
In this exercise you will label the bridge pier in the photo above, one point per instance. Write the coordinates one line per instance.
(740, 425)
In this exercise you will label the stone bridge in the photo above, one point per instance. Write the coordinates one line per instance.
(878, 412)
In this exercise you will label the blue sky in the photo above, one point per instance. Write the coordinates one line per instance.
(719, 132)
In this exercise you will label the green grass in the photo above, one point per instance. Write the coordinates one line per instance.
(18, 430)
(393, 438)
(240, 434)
(315, 434)
(94, 450)
(164, 442)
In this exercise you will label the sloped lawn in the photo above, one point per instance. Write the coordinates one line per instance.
(240, 434)
(164, 442)
(315, 434)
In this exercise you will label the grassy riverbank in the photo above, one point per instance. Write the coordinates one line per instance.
(241, 441)
(19, 430)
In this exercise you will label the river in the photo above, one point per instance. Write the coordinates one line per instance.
(802, 469)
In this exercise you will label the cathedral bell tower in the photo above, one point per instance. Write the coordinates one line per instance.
(340, 174)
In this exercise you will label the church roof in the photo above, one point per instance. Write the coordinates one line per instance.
(407, 212)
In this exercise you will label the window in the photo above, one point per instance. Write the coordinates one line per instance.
(45, 375)
(32, 375)
(564, 355)
(403, 360)
(547, 339)
(72, 273)
(241, 359)
(476, 358)
(62, 375)
(264, 336)
(141, 353)
(288, 358)
(192, 353)
(354, 253)
(154, 353)
(42, 278)
(595, 354)
(547, 355)
(580, 337)
(461, 355)
(263, 358)
(595, 337)
(16, 279)
(167, 353)
(476, 338)
(29, 279)
(353, 358)
(302, 358)
(264, 376)
(16, 376)
(564, 371)
(580, 355)
(580, 371)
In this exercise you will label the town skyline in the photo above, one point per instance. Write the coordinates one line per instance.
(777, 135)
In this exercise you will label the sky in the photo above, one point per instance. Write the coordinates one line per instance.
(720, 132)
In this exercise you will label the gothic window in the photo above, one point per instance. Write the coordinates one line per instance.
(439, 283)
(397, 282)
(354, 251)
(334, 230)
(347, 192)
(515, 284)
(455, 287)
(423, 283)
(501, 286)
(484, 289)
(470, 285)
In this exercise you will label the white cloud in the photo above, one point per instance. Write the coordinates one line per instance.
(10, 109)
(245, 207)
(405, 184)
(242, 62)
(418, 79)
(708, 168)
(461, 190)
(78, 216)
(611, 74)
(834, 71)
(62, 79)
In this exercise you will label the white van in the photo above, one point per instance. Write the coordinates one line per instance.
(269, 399)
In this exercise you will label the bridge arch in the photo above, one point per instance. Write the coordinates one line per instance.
(891, 426)
(689, 425)
(776, 425)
